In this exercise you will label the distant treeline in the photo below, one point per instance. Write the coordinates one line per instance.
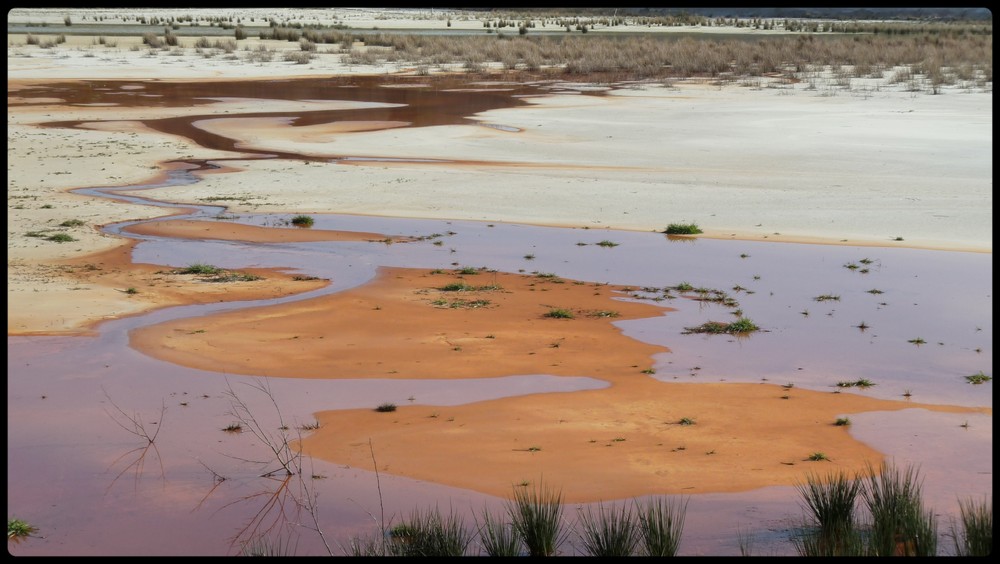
(922, 14)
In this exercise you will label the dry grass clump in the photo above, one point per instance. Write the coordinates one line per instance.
(930, 60)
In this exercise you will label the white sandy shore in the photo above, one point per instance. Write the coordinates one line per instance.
(749, 163)
(759, 161)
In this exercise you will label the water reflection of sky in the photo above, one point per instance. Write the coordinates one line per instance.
(65, 452)
(73, 472)
(941, 297)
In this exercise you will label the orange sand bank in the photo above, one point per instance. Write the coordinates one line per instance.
(619, 442)
(622, 441)
(402, 325)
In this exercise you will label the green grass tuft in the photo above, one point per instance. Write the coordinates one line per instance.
(859, 383)
(900, 524)
(682, 229)
(536, 516)
(831, 505)
(457, 287)
(975, 538)
(559, 313)
(302, 221)
(498, 537)
(603, 313)
(661, 523)
(741, 326)
(429, 534)
(199, 268)
(978, 378)
(17, 528)
(608, 531)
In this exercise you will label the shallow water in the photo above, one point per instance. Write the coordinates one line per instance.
(73, 375)
(93, 489)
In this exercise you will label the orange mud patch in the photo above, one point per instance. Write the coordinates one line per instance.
(156, 287)
(617, 442)
(225, 231)
(402, 325)
(613, 443)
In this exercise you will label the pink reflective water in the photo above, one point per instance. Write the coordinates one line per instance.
(94, 488)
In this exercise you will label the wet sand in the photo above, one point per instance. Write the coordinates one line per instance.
(622, 441)
(615, 443)
(102, 291)
(403, 325)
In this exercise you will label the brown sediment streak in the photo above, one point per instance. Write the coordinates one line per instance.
(404, 325)
(439, 103)
(225, 231)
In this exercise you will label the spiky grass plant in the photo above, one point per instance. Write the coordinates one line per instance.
(830, 502)
(661, 523)
(607, 531)
(498, 537)
(813, 543)
(429, 533)
(900, 525)
(370, 545)
(746, 540)
(976, 535)
(537, 517)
